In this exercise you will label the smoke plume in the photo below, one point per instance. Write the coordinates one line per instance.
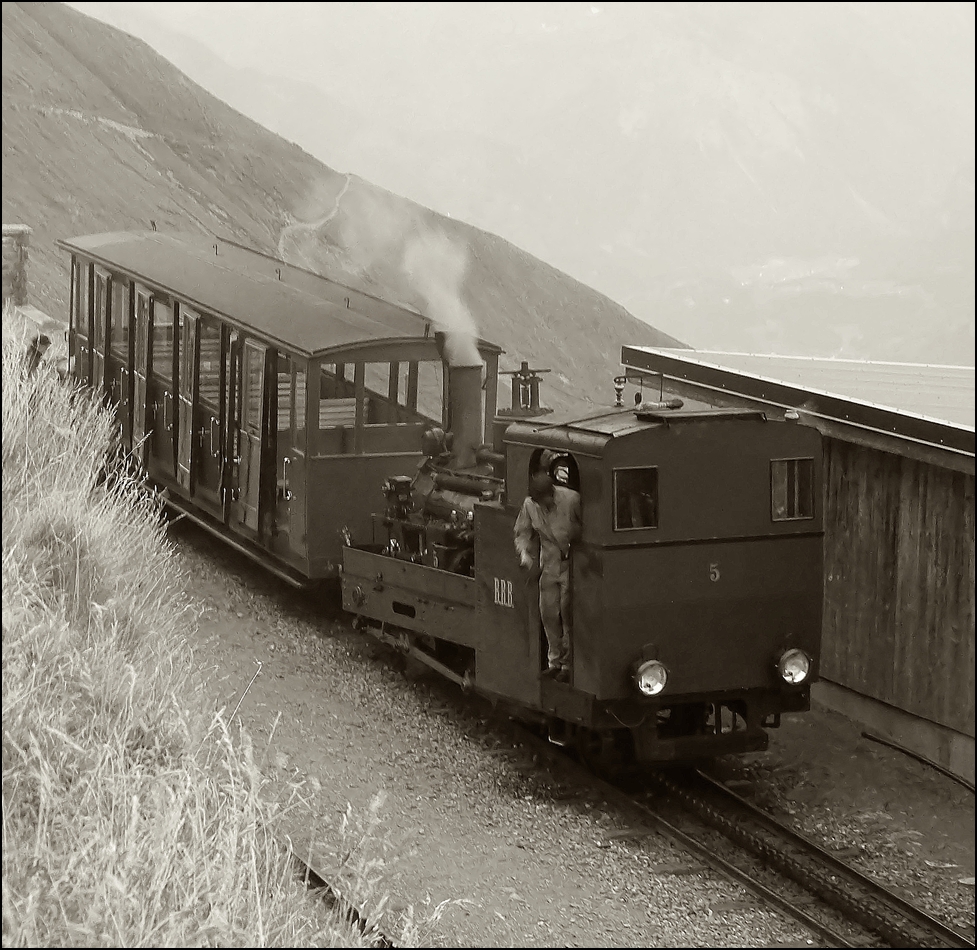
(436, 268)
(383, 240)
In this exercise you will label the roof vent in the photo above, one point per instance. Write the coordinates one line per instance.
(664, 404)
(525, 392)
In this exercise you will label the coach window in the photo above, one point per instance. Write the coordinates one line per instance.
(119, 333)
(80, 278)
(428, 398)
(376, 383)
(100, 311)
(209, 371)
(284, 399)
(635, 498)
(299, 413)
(791, 489)
(336, 410)
(291, 401)
(162, 358)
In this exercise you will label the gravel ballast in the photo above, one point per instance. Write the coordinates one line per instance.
(468, 833)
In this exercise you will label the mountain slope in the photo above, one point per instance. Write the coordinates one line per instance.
(101, 133)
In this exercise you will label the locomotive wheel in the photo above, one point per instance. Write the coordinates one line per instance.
(608, 753)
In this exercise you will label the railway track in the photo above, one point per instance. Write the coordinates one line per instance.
(835, 903)
(333, 899)
(836, 884)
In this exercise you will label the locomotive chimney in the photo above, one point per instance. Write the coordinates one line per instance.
(465, 412)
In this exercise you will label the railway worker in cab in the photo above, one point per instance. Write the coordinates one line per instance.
(549, 521)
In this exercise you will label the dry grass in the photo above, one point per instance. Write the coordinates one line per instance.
(130, 816)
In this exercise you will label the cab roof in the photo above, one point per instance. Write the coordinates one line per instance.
(192, 269)
(590, 434)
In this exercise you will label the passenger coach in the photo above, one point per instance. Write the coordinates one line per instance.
(241, 383)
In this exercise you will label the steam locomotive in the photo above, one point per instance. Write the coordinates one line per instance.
(330, 434)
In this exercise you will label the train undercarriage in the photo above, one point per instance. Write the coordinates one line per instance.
(610, 737)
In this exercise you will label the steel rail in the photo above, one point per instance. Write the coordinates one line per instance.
(826, 936)
(959, 779)
(859, 896)
(332, 897)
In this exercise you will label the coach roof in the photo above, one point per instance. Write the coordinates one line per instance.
(190, 268)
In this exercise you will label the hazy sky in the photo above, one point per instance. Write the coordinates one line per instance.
(292, 39)
(632, 145)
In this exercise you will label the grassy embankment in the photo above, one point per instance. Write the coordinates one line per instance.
(132, 814)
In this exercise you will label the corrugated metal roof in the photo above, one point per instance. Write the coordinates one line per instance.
(917, 401)
(189, 268)
(942, 393)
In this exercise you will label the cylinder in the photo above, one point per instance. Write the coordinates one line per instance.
(465, 484)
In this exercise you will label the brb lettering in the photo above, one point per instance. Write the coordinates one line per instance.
(503, 592)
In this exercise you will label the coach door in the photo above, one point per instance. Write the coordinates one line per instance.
(142, 318)
(208, 464)
(290, 442)
(100, 319)
(248, 406)
(187, 389)
(81, 319)
(117, 356)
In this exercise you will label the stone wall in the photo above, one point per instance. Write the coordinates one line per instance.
(16, 248)
(18, 312)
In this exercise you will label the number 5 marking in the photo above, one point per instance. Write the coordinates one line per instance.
(714, 571)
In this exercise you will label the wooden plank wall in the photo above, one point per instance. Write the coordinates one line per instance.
(899, 582)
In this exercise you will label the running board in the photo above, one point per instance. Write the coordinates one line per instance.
(256, 554)
(402, 644)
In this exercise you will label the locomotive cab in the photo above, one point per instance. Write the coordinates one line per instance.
(697, 582)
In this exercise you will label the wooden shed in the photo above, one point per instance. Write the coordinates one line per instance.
(898, 646)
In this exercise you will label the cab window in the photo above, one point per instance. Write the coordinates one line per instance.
(635, 498)
(791, 489)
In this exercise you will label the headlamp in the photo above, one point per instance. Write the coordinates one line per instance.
(650, 678)
(794, 666)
